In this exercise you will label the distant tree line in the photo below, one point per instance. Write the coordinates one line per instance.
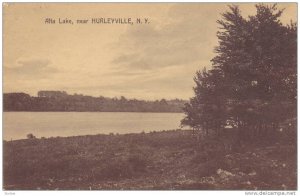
(61, 101)
(252, 85)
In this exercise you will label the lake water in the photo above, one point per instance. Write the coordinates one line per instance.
(16, 125)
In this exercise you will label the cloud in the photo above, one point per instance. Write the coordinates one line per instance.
(31, 69)
(164, 56)
(184, 40)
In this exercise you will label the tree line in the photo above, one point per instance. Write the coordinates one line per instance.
(252, 82)
(62, 101)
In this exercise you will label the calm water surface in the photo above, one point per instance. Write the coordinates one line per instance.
(16, 125)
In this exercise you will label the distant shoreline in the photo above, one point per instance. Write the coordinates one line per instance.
(61, 101)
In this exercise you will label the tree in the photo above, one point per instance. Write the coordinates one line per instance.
(252, 83)
(205, 110)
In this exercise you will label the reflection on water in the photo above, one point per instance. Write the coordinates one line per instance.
(16, 125)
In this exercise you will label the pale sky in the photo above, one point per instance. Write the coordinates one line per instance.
(143, 61)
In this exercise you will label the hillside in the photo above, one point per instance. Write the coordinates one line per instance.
(151, 161)
(63, 102)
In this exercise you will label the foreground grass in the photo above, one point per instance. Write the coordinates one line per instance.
(152, 161)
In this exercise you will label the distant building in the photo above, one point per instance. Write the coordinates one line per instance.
(52, 94)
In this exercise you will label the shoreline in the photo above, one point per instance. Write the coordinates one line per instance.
(102, 134)
(100, 112)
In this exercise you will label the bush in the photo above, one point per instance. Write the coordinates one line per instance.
(30, 136)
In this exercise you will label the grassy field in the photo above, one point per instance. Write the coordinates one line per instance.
(148, 161)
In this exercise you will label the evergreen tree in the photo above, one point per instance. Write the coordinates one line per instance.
(252, 83)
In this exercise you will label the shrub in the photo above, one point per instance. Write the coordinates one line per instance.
(30, 136)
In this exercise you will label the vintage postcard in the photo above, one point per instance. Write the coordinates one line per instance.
(150, 96)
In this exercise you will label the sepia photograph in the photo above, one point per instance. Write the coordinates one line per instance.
(149, 96)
